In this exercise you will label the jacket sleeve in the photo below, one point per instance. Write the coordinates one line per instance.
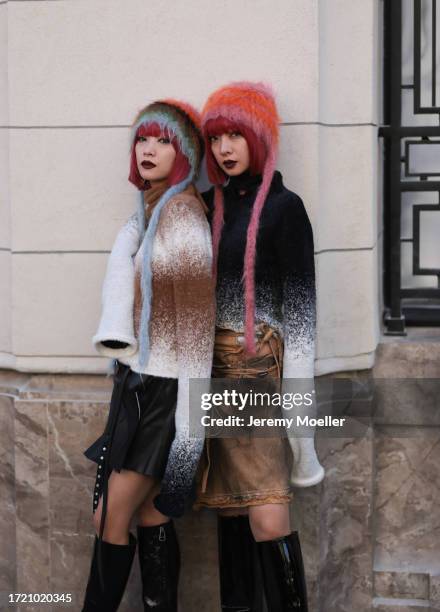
(116, 323)
(188, 241)
(297, 268)
(296, 259)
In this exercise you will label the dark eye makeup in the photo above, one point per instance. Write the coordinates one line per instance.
(161, 139)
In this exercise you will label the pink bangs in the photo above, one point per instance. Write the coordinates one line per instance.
(222, 125)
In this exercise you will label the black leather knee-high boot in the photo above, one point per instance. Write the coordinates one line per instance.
(283, 573)
(104, 592)
(159, 559)
(239, 567)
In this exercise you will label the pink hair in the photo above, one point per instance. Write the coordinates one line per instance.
(217, 227)
(249, 256)
(250, 108)
(259, 162)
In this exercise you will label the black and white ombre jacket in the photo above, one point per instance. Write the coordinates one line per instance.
(285, 294)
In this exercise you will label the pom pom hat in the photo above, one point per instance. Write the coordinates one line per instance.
(251, 105)
(181, 121)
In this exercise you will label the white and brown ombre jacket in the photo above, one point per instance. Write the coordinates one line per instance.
(181, 324)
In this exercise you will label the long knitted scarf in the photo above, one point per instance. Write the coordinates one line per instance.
(152, 197)
(149, 211)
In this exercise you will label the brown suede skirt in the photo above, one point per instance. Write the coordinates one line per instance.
(246, 470)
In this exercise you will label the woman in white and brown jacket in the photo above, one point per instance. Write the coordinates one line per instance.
(158, 322)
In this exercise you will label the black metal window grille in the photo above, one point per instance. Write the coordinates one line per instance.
(412, 164)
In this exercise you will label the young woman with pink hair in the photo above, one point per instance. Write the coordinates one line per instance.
(158, 323)
(263, 260)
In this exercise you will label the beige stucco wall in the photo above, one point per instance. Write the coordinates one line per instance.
(78, 70)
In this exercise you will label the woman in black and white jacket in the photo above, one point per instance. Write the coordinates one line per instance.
(265, 329)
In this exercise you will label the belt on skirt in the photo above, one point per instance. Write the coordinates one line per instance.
(231, 360)
(101, 452)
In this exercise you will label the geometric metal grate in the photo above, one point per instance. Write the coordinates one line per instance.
(417, 210)
(412, 164)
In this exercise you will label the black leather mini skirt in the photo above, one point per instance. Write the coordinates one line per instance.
(140, 427)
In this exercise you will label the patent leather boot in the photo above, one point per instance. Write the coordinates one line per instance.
(159, 560)
(283, 574)
(239, 567)
(109, 572)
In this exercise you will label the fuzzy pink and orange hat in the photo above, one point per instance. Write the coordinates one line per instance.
(252, 105)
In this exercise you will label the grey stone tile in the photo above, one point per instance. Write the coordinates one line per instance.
(407, 500)
(32, 496)
(345, 579)
(7, 496)
(401, 585)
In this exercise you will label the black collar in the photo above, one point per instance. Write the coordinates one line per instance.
(246, 184)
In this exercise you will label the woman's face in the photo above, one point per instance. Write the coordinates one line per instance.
(155, 157)
(231, 152)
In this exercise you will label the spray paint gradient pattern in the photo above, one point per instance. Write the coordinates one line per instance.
(284, 271)
(181, 326)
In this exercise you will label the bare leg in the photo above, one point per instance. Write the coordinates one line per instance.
(126, 491)
(269, 521)
(113, 556)
(147, 515)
